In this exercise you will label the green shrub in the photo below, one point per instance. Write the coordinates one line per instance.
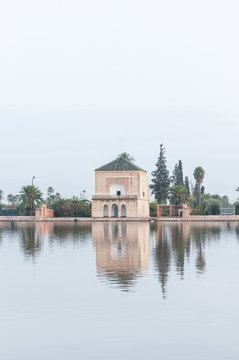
(153, 209)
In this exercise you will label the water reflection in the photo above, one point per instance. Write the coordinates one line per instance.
(175, 243)
(123, 249)
(68, 233)
(122, 252)
(32, 236)
(30, 241)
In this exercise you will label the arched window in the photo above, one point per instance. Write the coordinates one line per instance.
(114, 210)
(123, 210)
(105, 211)
(117, 189)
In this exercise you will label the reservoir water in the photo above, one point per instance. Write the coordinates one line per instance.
(119, 291)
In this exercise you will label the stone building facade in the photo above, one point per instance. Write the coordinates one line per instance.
(121, 190)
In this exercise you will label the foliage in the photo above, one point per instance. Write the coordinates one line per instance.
(74, 207)
(196, 190)
(1, 196)
(13, 199)
(210, 204)
(50, 191)
(50, 195)
(236, 204)
(126, 156)
(30, 196)
(153, 209)
(187, 187)
(177, 178)
(211, 207)
(160, 178)
(178, 194)
(199, 176)
(180, 173)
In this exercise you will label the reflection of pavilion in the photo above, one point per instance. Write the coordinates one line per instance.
(122, 251)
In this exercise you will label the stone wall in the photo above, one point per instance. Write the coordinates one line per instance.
(135, 182)
(43, 212)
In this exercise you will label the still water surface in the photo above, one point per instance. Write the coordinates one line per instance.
(119, 291)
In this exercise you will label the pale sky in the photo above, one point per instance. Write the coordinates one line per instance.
(81, 81)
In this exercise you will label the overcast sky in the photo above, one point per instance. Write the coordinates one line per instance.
(81, 81)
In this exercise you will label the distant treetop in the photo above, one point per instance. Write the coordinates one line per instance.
(126, 156)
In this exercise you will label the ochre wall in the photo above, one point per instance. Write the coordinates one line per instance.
(131, 207)
(135, 182)
(136, 185)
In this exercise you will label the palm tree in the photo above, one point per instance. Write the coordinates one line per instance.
(1, 195)
(50, 191)
(178, 194)
(126, 156)
(10, 198)
(57, 196)
(30, 197)
(199, 176)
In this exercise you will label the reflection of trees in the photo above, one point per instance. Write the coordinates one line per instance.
(178, 247)
(1, 232)
(33, 235)
(237, 231)
(200, 235)
(174, 244)
(68, 232)
(30, 242)
(162, 255)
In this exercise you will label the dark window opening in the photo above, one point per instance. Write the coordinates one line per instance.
(143, 194)
(118, 193)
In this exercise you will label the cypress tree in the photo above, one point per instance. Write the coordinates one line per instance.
(180, 173)
(187, 186)
(175, 175)
(160, 178)
(177, 178)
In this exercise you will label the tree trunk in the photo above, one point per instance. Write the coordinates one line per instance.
(31, 211)
(199, 193)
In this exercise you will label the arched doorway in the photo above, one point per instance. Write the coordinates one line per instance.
(123, 210)
(105, 211)
(114, 210)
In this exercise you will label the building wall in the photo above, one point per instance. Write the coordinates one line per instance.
(131, 207)
(143, 208)
(135, 182)
(132, 183)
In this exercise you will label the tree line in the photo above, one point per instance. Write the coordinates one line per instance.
(177, 189)
(31, 197)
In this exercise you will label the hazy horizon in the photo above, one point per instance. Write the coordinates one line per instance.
(82, 82)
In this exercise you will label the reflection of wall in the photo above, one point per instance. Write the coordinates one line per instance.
(43, 229)
(122, 249)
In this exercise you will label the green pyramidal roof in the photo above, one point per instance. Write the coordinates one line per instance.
(120, 164)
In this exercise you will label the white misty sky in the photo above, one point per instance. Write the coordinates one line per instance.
(81, 81)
